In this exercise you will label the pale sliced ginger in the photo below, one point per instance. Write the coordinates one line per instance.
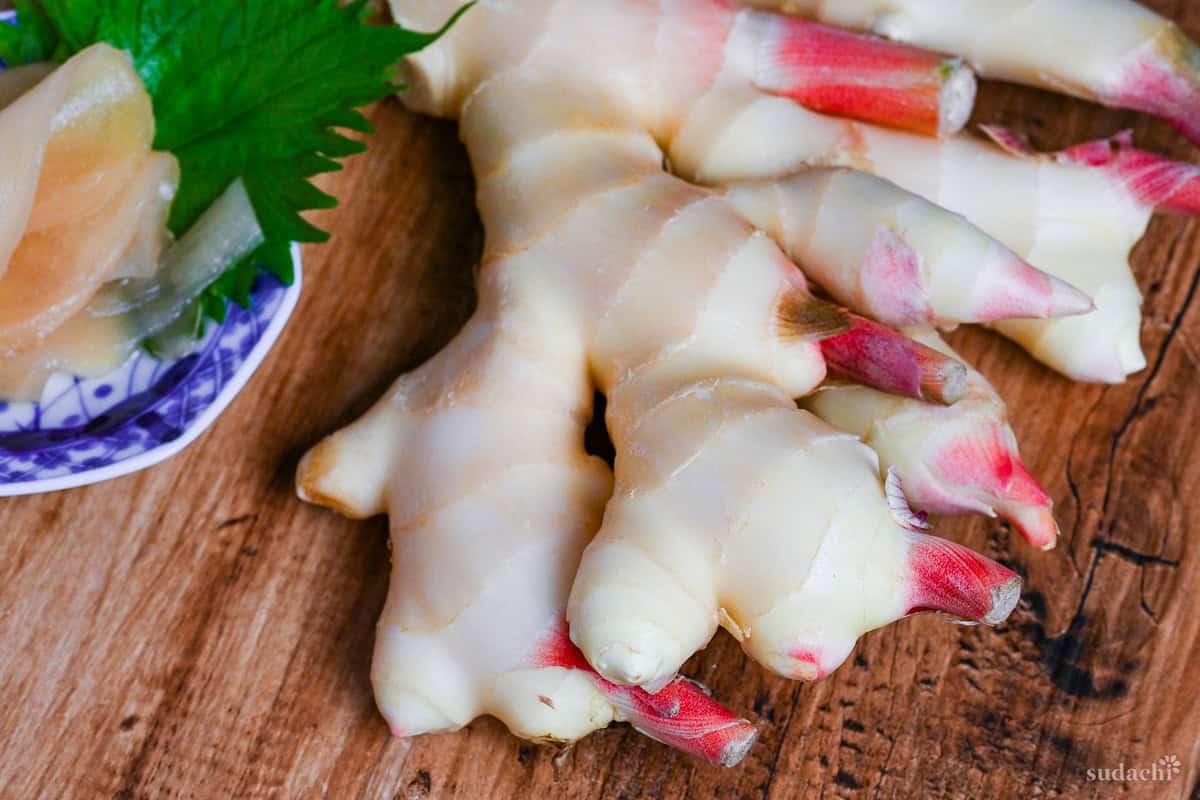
(589, 125)
(83, 201)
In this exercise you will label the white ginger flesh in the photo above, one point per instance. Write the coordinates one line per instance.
(649, 175)
(733, 509)
(474, 621)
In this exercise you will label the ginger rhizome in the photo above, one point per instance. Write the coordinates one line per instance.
(653, 178)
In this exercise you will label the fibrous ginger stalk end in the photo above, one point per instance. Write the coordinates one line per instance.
(951, 579)
(802, 317)
(694, 722)
(877, 356)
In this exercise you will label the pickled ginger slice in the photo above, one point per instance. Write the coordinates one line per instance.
(98, 138)
(123, 315)
(85, 346)
(70, 143)
(54, 273)
(225, 234)
(25, 126)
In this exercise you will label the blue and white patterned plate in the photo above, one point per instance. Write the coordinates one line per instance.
(86, 431)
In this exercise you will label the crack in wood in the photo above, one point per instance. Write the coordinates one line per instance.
(1172, 331)
(233, 521)
(1140, 560)
(1131, 555)
(1080, 511)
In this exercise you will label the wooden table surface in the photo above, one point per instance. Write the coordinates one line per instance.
(195, 631)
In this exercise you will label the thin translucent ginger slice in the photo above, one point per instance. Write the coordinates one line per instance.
(54, 273)
(71, 143)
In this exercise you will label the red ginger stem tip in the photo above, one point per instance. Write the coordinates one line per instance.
(955, 580)
(880, 357)
(681, 714)
(833, 71)
(985, 463)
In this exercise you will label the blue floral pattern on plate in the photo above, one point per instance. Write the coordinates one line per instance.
(84, 431)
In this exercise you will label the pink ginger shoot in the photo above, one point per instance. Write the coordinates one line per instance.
(951, 579)
(877, 356)
(1163, 78)
(863, 77)
(1156, 181)
(681, 714)
(985, 464)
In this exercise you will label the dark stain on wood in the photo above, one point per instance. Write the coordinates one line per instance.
(846, 780)
(418, 788)
(1065, 656)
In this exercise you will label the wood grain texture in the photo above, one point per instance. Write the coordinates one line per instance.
(195, 631)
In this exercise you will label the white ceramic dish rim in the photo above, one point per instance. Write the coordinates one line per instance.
(198, 426)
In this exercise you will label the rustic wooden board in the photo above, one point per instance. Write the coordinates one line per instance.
(195, 631)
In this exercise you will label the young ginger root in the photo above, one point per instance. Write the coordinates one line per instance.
(645, 170)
